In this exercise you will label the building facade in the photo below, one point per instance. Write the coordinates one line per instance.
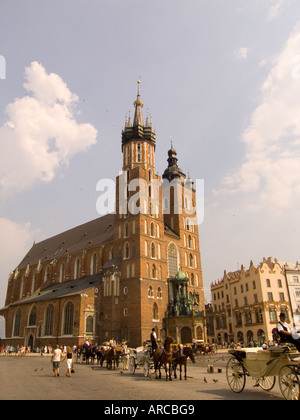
(246, 303)
(292, 274)
(109, 277)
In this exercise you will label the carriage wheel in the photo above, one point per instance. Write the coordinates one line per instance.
(146, 369)
(289, 383)
(132, 365)
(236, 375)
(267, 383)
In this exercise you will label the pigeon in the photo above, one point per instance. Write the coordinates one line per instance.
(205, 380)
(215, 380)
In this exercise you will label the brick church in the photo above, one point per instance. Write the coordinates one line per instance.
(122, 274)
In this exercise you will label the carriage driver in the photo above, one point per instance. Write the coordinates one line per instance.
(286, 333)
(153, 338)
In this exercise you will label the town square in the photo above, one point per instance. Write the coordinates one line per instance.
(149, 202)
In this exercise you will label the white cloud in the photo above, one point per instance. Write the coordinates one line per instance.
(271, 170)
(276, 10)
(242, 53)
(41, 133)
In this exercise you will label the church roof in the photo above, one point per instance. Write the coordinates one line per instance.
(59, 290)
(85, 236)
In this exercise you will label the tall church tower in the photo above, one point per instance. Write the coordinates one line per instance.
(139, 228)
(153, 239)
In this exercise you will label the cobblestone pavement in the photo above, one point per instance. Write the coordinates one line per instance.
(31, 378)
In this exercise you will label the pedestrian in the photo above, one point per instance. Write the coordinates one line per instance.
(153, 338)
(70, 361)
(125, 355)
(56, 359)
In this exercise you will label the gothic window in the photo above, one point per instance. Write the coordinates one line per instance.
(17, 323)
(77, 269)
(47, 274)
(94, 264)
(138, 152)
(62, 273)
(155, 311)
(172, 260)
(68, 319)
(32, 317)
(126, 250)
(150, 292)
(152, 229)
(153, 250)
(126, 230)
(159, 293)
(49, 320)
(191, 261)
(153, 271)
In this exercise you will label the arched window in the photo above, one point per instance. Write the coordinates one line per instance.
(62, 273)
(68, 319)
(153, 271)
(32, 317)
(94, 264)
(159, 293)
(17, 323)
(153, 250)
(77, 269)
(126, 230)
(126, 250)
(150, 292)
(49, 320)
(47, 274)
(155, 311)
(152, 229)
(172, 260)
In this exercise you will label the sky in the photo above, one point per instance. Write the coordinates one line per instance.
(221, 78)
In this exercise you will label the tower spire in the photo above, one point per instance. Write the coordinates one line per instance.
(138, 114)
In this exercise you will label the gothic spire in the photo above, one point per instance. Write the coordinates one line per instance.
(138, 114)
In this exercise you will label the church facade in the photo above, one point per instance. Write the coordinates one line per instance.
(122, 274)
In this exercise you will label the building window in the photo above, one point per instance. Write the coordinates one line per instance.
(155, 312)
(94, 264)
(153, 250)
(150, 292)
(77, 269)
(268, 282)
(126, 250)
(32, 317)
(89, 325)
(17, 323)
(49, 320)
(62, 273)
(47, 274)
(172, 260)
(270, 297)
(69, 319)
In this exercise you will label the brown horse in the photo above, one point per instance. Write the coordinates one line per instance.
(163, 357)
(111, 357)
(180, 358)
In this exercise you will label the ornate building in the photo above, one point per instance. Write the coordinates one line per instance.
(110, 277)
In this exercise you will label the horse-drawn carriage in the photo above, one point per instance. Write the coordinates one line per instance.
(265, 365)
(141, 357)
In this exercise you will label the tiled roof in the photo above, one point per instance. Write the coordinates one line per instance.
(85, 236)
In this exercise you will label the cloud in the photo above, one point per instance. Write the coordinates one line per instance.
(41, 133)
(242, 53)
(271, 168)
(276, 10)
